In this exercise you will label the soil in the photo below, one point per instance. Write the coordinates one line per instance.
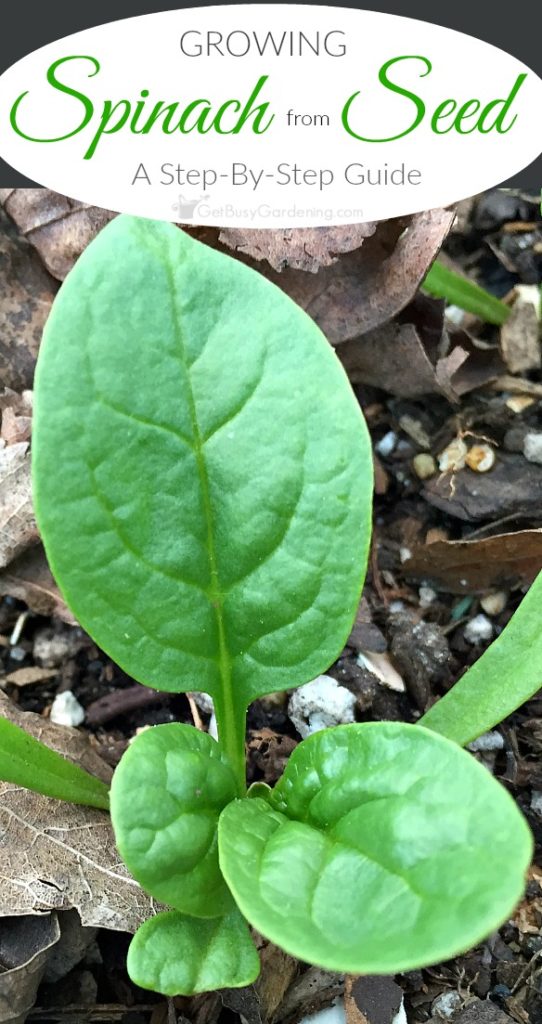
(417, 622)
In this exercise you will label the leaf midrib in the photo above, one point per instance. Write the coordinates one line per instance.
(214, 592)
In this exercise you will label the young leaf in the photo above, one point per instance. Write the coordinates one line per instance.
(383, 847)
(506, 675)
(444, 283)
(27, 762)
(178, 955)
(166, 796)
(202, 471)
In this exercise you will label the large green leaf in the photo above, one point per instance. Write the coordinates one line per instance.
(27, 762)
(166, 796)
(178, 955)
(384, 847)
(506, 675)
(202, 471)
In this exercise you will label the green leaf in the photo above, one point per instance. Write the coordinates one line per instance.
(27, 762)
(460, 291)
(178, 955)
(508, 673)
(384, 848)
(166, 796)
(202, 470)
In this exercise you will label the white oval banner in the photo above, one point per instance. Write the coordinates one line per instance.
(269, 115)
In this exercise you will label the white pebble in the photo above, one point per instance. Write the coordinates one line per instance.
(452, 458)
(400, 1016)
(427, 595)
(17, 653)
(396, 606)
(455, 315)
(494, 603)
(478, 629)
(66, 709)
(532, 447)
(488, 741)
(319, 705)
(387, 443)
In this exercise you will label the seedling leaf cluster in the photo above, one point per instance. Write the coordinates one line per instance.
(203, 477)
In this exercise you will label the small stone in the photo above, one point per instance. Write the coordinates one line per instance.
(518, 403)
(478, 630)
(532, 447)
(319, 705)
(17, 653)
(405, 553)
(446, 1004)
(488, 741)
(494, 603)
(427, 595)
(204, 702)
(66, 709)
(453, 457)
(424, 466)
(386, 444)
(480, 458)
(514, 438)
(52, 647)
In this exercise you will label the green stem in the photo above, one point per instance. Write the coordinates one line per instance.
(460, 291)
(230, 722)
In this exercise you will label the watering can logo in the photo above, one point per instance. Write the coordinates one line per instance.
(186, 208)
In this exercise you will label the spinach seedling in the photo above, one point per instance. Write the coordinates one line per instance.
(202, 477)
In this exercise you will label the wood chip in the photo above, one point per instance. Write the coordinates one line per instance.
(29, 676)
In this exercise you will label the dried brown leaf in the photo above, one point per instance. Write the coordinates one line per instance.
(270, 752)
(474, 566)
(16, 416)
(18, 528)
(26, 294)
(362, 288)
(56, 856)
(30, 675)
(278, 971)
(420, 354)
(311, 992)
(59, 228)
(369, 286)
(298, 248)
(393, 357)
(25, 946)
(29, 579)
